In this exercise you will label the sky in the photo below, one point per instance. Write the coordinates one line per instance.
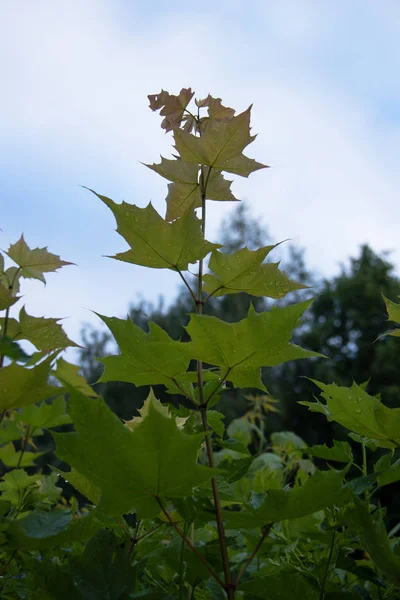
(323, 80)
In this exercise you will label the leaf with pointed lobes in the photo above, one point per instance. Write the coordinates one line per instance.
(184, 196)
(244, 271)
(20, 386)
(393, 311)
(66, 371)
(220, 146)
(45, 415)
(6, 297)
(155, 242)
(46, 334)
(146, 358)
(130, 468)
(241, 349)
(356, 410)
(33, 263)
(144, 411)
(323, 489)
(216, 111)
(172, 107)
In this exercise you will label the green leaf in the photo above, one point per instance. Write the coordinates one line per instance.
(70, 373)
(323, 489)
(283, 585)
(41, 524)
(20, 386)
(46, 334)
(156, 243)
(241, 349)
(34, 263)
(393, 311)
(47, 530)
(15, 483)
(387, 474)
(185, 196)
(374, 539)
(12, 458)
(82, 484)
(45, 415)
(243, 271)
(340, 452)
(105, 571)
(215, 421)
(10, 431)
(172, 107)
(6, 297)
(12, 350)
(145, 359)
(358, 411)
(220, 146)
(130, 468)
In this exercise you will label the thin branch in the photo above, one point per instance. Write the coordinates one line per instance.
(220, 384)
(187, 285)
(189, 543)
(217, 503)
(180, 388)
(212, 293)
(266, 531)
(23, 446)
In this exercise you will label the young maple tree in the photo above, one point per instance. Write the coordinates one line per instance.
(173, 507)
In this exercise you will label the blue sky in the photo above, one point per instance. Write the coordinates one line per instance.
(323, 78)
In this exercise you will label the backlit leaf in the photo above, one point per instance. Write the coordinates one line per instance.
(172, 107)
(45, 415)
(358, 411)
(241, 349)
(6, 297)
(220, 146)
(34, 262)
(244, 271)
(146, 358)
(155, 242)
(70, 373)
(46, 334)
(20, 386)
(12, 350)
(393, 311)
(129, 468)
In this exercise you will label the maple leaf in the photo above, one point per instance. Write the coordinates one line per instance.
(323, 489)
(241, 349)
(46, 334)
(6, 297)
(220, 146)
(155, 242)
(243, 271)
(185, 191)
(20, 386)
(356, 410)
(66, 371)
(33, 263)
(145, 359)
(130, 468)
(393, 311)
(172, 107)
